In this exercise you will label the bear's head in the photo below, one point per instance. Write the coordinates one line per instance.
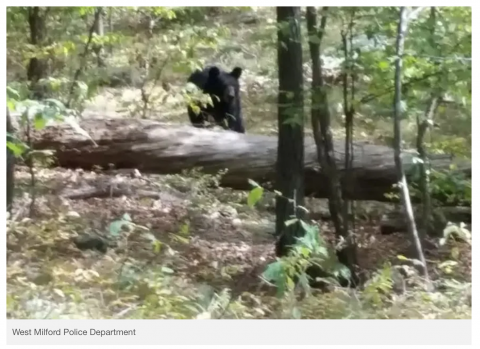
(224, 89)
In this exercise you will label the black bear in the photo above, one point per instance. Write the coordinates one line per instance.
(224, 90)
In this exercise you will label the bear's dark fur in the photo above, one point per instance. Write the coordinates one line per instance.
(224, 90)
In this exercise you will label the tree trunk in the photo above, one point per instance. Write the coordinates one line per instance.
(349, 111)
(290, 155)
(402, 29)
(99, 30)
(10, 166)
(427, 219)
(325, 145)
(155, 147)
(110, 27)
(37, 68)
(83, 57)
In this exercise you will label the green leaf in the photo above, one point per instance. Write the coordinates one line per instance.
(344, 272)
(157, 245)
(17, 148)
(167, 270)
(185, 229)
(13, 94)
(383, 65)
(254, 196)
(40, 122)
(305, 252)
(11, 104)
(310, 229)
(290, 283)
(274, 271)
(115, 227)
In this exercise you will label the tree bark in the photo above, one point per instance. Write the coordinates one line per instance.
(412, 229)
(99, 30)
(154, 147)
(290, 155)
(428, 221)
(423, 126)
(110, 27)
(349, 111)
(10, 166)
(37, 67)
(325, 145)
(83, 57)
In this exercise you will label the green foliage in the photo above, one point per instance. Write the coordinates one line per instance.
(310, 250)
(437, 60)
(446, 186)
(453, 186)
(379, 286)
(116, 227)
(456, 145)
(36, 113)
(255, 194)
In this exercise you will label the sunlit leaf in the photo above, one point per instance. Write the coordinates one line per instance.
(254, 196)
(40, 122)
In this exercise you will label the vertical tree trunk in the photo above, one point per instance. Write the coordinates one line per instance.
(405, 195)
(323, 137)
(99, 30)
(83, 57)
(110, 27)
(423, 126)
(348, 102)
(290, 156)
(10, 166)
(37, 68)
(428, 221)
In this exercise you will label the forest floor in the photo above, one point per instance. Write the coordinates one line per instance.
(206, 240)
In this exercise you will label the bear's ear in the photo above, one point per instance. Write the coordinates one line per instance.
(214, 72)
(236, 72)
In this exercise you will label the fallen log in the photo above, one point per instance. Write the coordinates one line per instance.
(394, 222)
(154, 147)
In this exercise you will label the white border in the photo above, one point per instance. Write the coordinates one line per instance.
(313, 331)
